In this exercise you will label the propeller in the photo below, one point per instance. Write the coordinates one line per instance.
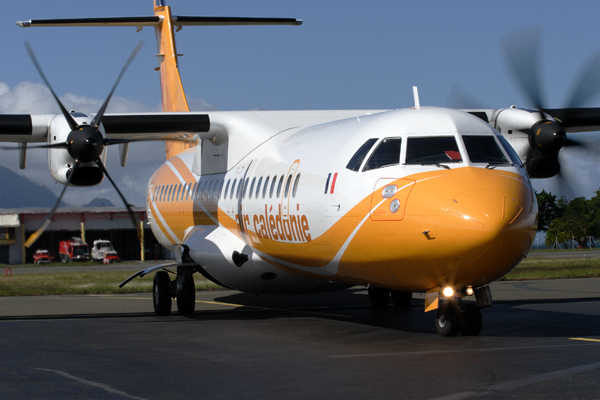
(85, 143)
(547, 136)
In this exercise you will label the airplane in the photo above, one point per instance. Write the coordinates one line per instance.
(417, 200)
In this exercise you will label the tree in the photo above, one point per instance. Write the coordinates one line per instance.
(580, 220)
(549, 208)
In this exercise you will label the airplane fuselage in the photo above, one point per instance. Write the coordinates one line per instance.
(411, 200)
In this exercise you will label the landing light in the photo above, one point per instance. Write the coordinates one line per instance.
(448, 291)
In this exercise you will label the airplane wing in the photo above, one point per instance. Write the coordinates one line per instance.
(28, 128)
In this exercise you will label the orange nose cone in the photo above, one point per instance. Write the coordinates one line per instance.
(488, 230)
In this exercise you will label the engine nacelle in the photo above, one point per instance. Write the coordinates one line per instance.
(61, 163)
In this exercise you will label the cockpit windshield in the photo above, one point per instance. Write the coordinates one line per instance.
(484, 149)
(432, 150)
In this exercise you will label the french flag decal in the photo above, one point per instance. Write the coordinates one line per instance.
(327, 188)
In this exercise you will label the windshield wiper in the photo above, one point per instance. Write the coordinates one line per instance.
(437, 164)
(494, 165)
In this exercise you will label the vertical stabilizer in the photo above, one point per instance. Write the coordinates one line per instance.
(172, 94)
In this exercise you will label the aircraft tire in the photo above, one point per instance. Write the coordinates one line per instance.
(401, 299)
(379, 297)
(447, 322)
(186, 303)
(160, 293)
(473, 321)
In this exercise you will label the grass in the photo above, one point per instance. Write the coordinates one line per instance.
(92, 282)
(567, 268)
(107, 282)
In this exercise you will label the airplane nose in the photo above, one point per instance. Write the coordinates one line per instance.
(488, 230)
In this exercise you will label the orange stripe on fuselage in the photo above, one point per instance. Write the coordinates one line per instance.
(441, 236)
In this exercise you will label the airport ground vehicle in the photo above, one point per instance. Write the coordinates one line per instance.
(42, 256)
(102, 251)
(74, 249)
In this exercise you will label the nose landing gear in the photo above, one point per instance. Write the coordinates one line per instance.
(451, 319)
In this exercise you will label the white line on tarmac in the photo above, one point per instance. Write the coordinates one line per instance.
(94, 384)
(522, 382)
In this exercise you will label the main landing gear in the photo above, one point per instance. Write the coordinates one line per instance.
(380, 297)
(182, 288)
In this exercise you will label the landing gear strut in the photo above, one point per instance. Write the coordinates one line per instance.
(182, 288)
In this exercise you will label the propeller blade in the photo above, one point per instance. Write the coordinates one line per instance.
(35, 236)
(62, 145)
(129, 210)
(587, 83)
(522, 51)
(72, 123)
(96, 121)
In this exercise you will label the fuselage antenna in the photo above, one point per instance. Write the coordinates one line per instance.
(416, 96)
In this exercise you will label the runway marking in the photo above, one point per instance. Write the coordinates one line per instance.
(424, 352)
(585, 339)
(102, 386)
(273, 309)
(522, 382)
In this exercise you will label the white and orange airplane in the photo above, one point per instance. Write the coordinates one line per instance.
(416, 200)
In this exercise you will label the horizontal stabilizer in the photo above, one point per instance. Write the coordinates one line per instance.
(111, 21)
(155, 20)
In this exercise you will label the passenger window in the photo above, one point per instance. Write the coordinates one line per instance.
(258, 188)
(245, 188)
(279, 186)
(264, 194)
(221, 189)
(273, 186)
(233, 188)
(239, 189)
(287, 186)
(227, 188)
(296, 182)
(358, 157)
(432, 150)
(252, 187)
(483, 149)
(169, 192)
(386, 154)
(208, 191)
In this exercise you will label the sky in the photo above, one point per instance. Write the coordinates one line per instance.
(347, 55)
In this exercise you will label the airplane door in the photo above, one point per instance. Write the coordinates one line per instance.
(287, 189)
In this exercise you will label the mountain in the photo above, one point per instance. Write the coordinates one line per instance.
(99, 202)
(20, 192)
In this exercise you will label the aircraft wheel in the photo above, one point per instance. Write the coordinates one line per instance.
(472, 324)
(401, 299)
(379, 297)
(447, 322)
(186, 302)
(160, 294)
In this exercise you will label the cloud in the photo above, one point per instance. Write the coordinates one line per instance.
(143, 158)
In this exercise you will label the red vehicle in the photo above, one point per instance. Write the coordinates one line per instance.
(42, 256)
(74, 249)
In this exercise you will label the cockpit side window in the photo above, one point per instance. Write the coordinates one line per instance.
(386, 154)
(432, 150)
(509, 150)
(358, 157)
(484, 149)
